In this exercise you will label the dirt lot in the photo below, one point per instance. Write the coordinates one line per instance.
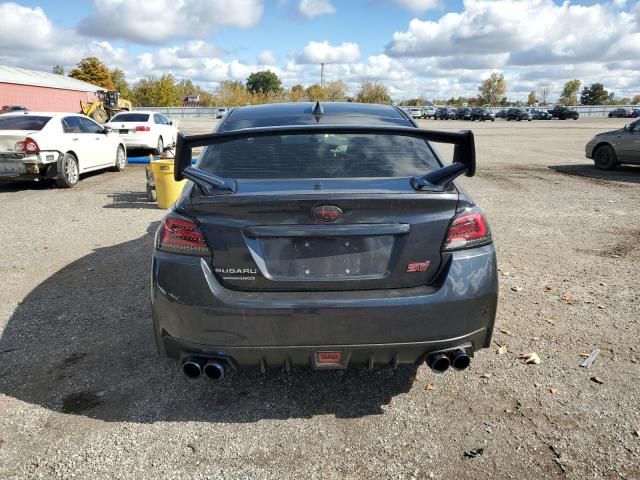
(83, 394)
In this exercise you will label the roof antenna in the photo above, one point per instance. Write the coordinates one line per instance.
(317, 111)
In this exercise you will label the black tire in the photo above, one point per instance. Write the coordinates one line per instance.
(69, 174)
(99, 115)
(121, 160)
(604, 158)
(160, 147)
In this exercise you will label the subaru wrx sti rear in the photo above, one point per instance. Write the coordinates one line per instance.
(325, 236)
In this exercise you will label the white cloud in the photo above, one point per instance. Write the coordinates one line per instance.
(315, 8)
(418, 6)
(156, 21)
(323, 52)
(267, 57)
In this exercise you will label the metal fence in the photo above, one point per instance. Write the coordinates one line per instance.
(210, 112)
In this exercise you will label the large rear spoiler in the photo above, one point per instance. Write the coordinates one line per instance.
(464, 156)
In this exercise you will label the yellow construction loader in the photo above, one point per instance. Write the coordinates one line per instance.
(108, 104)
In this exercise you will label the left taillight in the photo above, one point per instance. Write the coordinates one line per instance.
(28, 145)
(181, 235)
(467, 230)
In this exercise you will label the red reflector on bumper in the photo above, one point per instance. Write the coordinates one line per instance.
(329, 357)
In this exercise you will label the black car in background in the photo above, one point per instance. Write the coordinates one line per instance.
(482, 114)
(540, 115)
(620, 113)
(445, 114)
(502, 113)
(563, 112)
(518, 114)
(463, 113)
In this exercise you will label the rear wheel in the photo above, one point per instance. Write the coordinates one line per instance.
(160, 147)
(605, 158)
(121, 160)
(69, 174)
(99, 115)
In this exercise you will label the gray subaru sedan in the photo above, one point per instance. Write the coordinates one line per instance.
(325, 235)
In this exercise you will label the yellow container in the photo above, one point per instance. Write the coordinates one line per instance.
(167, 189)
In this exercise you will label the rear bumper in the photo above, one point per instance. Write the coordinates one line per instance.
(195, 315)
(28, 167)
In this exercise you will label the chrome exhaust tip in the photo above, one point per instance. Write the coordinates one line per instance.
(438, 362)
(192, 368)
(460, 360)
(214, 370)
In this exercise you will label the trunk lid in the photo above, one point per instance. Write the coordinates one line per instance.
(266, 237)
(9, 138)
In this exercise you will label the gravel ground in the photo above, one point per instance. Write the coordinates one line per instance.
(84, 395)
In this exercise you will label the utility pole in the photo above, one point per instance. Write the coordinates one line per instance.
(322, 74)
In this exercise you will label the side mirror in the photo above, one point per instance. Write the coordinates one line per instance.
(170, 122)
(107, 130)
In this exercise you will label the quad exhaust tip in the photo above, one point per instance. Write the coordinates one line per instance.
(439, 362)
(460, 360)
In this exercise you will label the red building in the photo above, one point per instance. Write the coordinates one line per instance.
(42, 91)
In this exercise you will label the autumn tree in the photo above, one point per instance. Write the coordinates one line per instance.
(231, 94)
(336, 90)
(493, 89)
(373, 92)
(635, 100)
(296, 93)
(316, 92)
(120, 83)
(92, 70)
(531, 98)
(264, 81)
(58, 70)
(569, 95)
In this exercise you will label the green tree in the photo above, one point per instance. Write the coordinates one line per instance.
(569, 95)
(120, 83)
(493, 89)
(531, 98)
(336, 90)
(373, 92)
(264, 81)
(316, 92)
(594, 95)
(157, 92)
(92, 70)
(58, 70)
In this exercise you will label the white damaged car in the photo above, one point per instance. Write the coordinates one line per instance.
(56, 146)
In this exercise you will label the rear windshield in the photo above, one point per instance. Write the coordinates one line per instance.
(131, 117)
(320, 156)
(23, 122)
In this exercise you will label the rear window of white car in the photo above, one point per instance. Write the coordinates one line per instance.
(23, 122)
(131, 117)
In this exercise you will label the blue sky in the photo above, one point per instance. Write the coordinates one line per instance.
(434, 48)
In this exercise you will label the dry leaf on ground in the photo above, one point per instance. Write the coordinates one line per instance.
(530, 358)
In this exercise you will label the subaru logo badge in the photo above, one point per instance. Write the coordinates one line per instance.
(326, 213)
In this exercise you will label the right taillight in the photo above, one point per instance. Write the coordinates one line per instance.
(180, 235)
(143, 128)
(467, 230)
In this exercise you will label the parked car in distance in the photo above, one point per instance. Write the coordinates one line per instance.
(56, 146)
(220, 112)
(428, 111)
(518, 114)
(617, 147)
(635, 113)
(463, 113)
(13, 109)
(537, 114)
(415, 112)
(502, 113)
(619, 113)
(563, 112)
(144, 129)
(481, 114)
(322, 236)
(445, 114)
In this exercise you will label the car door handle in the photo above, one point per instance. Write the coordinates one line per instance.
(75, 139)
